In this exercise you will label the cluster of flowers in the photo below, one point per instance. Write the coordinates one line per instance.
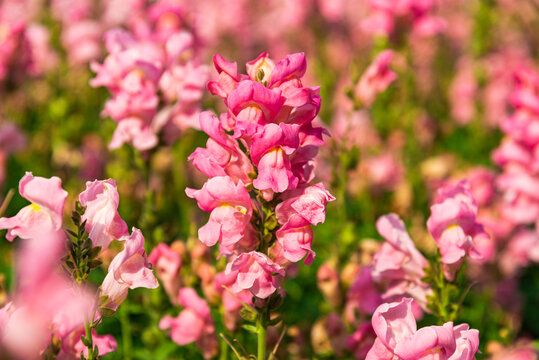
(519, 153)
(270, 114)
(385, 14)
(155, 78)
(259, 158)
(398, 337)
(24, 45)
(49, 308)
(395, 274)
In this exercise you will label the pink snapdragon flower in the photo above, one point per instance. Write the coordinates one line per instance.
(222, 155)
(300, 209)
(376, 78)
(481, 184)
(193, 324)
(453, 226)
(522, 350)
(519, 152)
(399, 338)
(231, 209)
(398, 264)
(72, 346)
(361, 341)
(232, 301)
(128, 270)
(363, 294)
(254, 271)
(462, 93)
(167, 264)
(103, 222)
(270, 150)
(383, 172)
(45, 212)
(521, 250)
(44, 302)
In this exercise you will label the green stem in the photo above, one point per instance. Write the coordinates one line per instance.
(88, 330)
(126, 331)
(224, 350)
(261, 330)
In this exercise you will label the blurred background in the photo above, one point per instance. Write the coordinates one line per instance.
(439, 120)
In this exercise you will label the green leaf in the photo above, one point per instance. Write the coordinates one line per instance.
(84, 340)
(247, 314)
(250, 328)
(106, 312)
(94, 252)
(92, 264)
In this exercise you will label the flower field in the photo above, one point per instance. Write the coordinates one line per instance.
(286, 179)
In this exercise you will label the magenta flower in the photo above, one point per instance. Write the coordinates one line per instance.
(103, 222)
(398, 264)
(399, 338)
(376, 78)
(72, 346)
(253, 105)
(363, 294)
(222, 155)
(43, 215)
(228, 77)
(270, 150)
(453, 226)
(309, 202)
(193, 324)
(154, 77)
(231, 209)
(294, 241)
(232, 301)
(167, 264)
(128, 270)
(361, 341)
(467, 343)
(254, 271)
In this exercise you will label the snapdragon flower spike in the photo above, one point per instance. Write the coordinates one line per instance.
(398, 265)
(43, 215)
(154, 77)
(128, 270)
(453, 226)
(254, 271)
(271, 152)
(399, 338)
(193, 324)
(518, 154)
(270, 113)
(231, 210)
(103, 222)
